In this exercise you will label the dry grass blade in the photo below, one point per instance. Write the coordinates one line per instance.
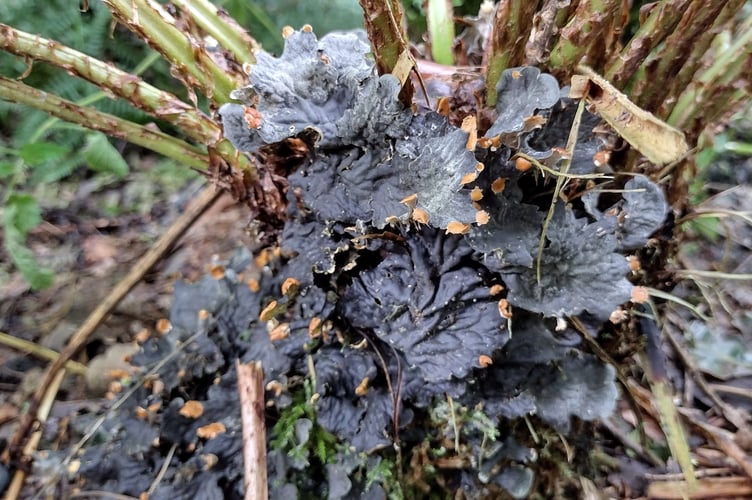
(659, 142)
(41, 412)
(657, 375)
(560, 181)
(718, 487)
(40, 352)
(723, 439)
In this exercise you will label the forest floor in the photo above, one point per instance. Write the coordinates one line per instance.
(94, 233)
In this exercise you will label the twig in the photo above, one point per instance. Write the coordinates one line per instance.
(396, 399)
(606, 358)
(101, 494)
(41, 352)
(723, 439)
(162, 470)
(47, 390)
(701, 473)
(741, 392)
(251, 390)
(718, 487)
(631, 444)
(731, 414)
(43, 411)
(660, 385)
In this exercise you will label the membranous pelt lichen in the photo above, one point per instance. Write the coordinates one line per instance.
(438, 230)
(413, 281)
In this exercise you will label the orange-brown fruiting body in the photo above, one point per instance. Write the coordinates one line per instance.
(504, 309)
(314, 327)
(192, 409)
(290, 286)
(470, 126)
(442, 106)
(482, 217)
(455, 227)
(410, 201)
(269, 311)
(601, 158)
(522, 164)
(210, 431)
(484, 361)
(420, 216)
(469, 177)
(490, 142)
(142, 336)
(498, 185)
(252, 117)
(634, 263)
(362, 388)
(280, 332)
(640, 294)
(163, 326)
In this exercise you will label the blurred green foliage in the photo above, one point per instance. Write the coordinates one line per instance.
(35, 149)
(265, 18)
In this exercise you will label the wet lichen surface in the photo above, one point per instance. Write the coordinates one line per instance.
(405, 304)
